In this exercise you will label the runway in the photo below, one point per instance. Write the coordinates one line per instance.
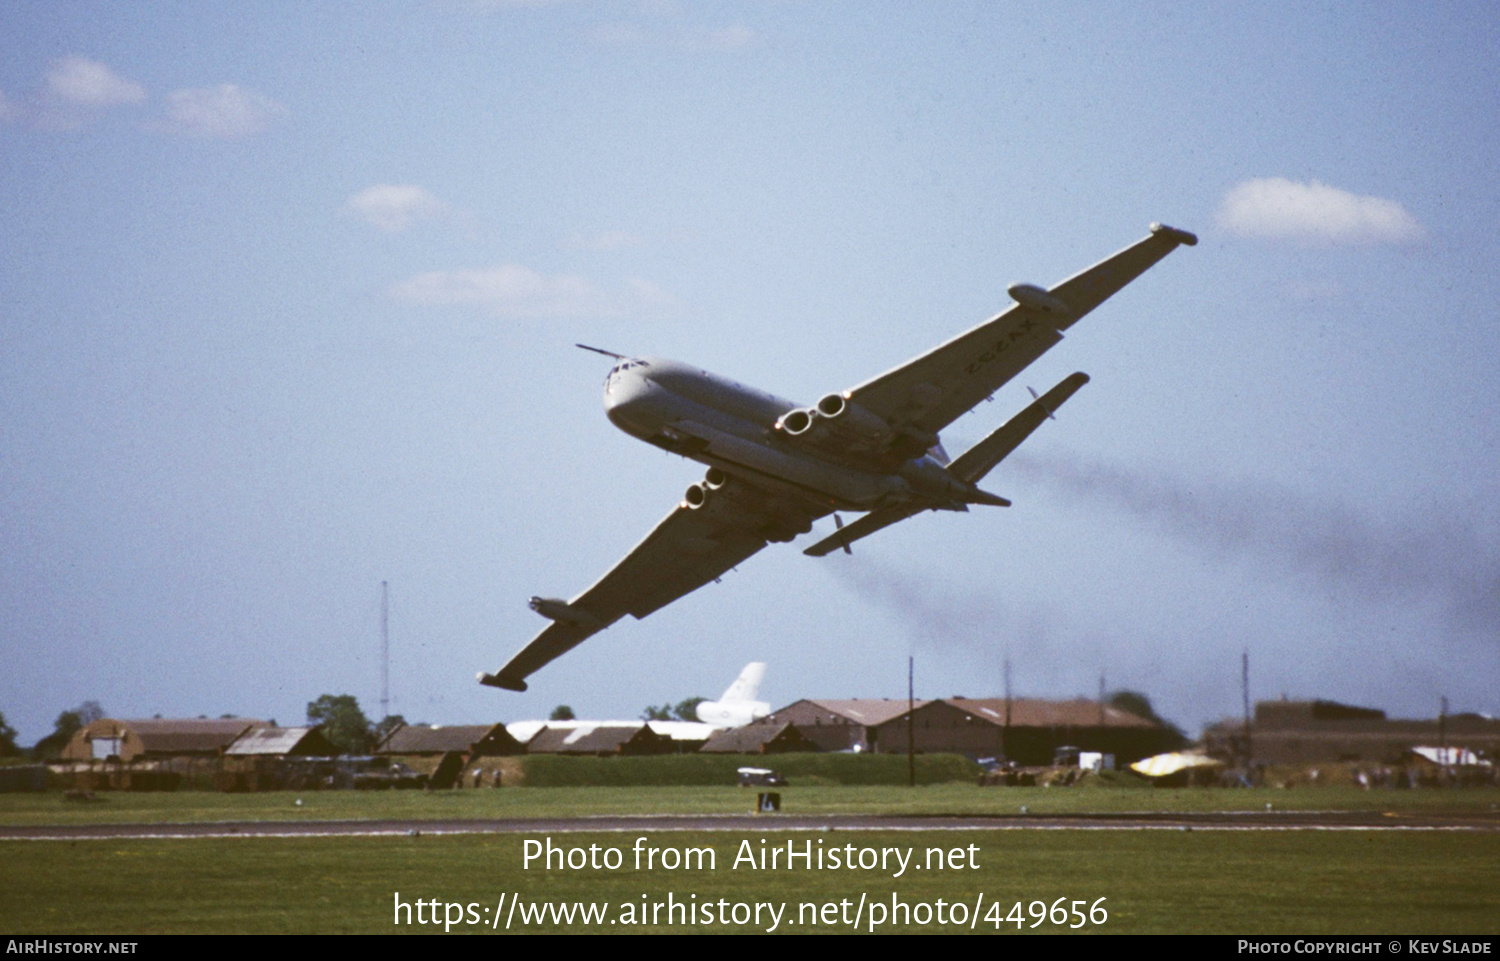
(1470, 821)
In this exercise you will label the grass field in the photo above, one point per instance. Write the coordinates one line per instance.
(953, 798)
(1153, 881)
(1202, 881)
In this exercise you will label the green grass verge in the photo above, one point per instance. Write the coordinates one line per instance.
(1302, 882)
(195, 806)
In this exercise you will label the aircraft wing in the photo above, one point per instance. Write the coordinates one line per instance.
(928, 393)
(689, 548)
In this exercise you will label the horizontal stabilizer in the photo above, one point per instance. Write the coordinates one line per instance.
(977, 496)
(980, 459)
(864, 527)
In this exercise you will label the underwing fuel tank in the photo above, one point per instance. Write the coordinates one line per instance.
(559, 610)
(1030, 295)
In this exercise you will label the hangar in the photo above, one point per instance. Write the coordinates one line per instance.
(1320, 731)
(156, 738)
(443, 751)
(1028, 731)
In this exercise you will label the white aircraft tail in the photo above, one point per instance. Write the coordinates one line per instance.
(747, 685)
(738, 705)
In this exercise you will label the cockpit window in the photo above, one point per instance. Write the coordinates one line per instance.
(616, 370)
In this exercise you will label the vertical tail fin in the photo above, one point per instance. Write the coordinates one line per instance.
(747, 685)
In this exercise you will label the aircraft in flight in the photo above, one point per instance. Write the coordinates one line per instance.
(774, 467)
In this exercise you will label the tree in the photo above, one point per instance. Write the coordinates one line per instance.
(687, 710)
(562, 713)
(67, 724)
(387, 725)
(663, 713)
(343, 723)
(7, 739)
(1134, 702)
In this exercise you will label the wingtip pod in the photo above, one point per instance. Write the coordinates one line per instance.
(1181, 236)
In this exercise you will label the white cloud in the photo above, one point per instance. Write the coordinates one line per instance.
(88, 83)
(227, 111)
(516, 292)
(1279, 209)
(394, 207)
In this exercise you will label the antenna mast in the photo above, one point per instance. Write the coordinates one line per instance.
(385, 651)
(1245, 696)
(911, 709)
(1005, 731)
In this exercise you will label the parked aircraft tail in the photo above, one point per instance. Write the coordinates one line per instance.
(738, 705)
(747, 685)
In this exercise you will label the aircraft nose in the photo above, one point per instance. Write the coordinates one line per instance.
(628, 400)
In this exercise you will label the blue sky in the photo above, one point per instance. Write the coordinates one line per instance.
(288, 294)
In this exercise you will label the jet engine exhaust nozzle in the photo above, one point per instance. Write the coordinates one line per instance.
(796, 422)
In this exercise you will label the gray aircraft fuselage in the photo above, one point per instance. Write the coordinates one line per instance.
(743, 431)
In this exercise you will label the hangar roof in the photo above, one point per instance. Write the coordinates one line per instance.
(868, 711)
(440, 738)
(1035, 712)
(187, 735)
(277, 741)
